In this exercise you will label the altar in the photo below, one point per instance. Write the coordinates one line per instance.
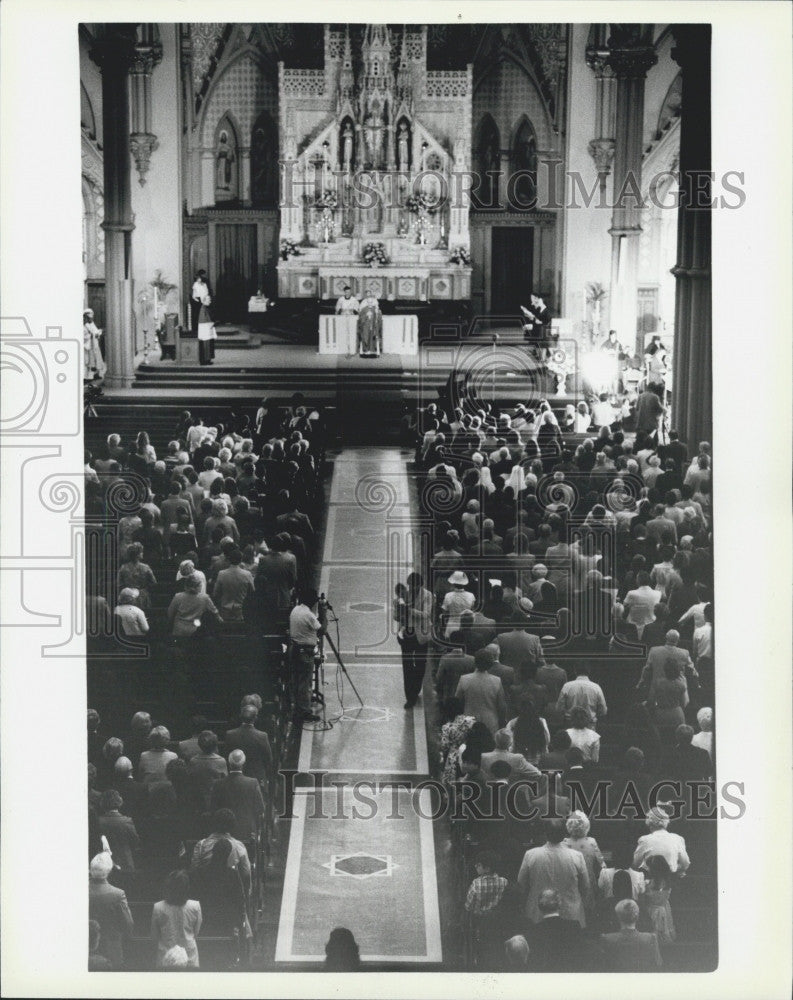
(376, 178)
(337, 334)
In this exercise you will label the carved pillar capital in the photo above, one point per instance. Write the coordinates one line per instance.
(602, 152)
(146, 56)
(113, 49)
(142, 145)
(632, 63)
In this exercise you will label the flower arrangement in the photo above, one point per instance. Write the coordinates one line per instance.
(161, 285)
(460, 255)
(327, 200)
(374, 255)
(421, 202)
(288, 248)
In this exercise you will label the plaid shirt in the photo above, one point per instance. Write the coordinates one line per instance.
(485, 893)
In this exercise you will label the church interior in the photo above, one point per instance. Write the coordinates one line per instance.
(526, 426)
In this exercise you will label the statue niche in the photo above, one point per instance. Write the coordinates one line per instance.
(347, 146)
(226, 164)
(403, 146)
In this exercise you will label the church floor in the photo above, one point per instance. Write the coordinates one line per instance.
(361, 851)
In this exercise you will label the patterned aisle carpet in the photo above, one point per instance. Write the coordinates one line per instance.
(361, 850)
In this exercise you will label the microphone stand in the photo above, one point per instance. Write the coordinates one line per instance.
(323, 609)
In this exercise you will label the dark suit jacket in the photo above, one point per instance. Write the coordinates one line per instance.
(256, 746)
(630, 951)
(244, 797)
(204, 771)
(108, 906)
(556, 945)
(122, 837)
(135, 796)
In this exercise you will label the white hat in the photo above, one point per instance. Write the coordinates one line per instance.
(458, 578)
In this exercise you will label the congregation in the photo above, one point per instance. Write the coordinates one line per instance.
(560, 635)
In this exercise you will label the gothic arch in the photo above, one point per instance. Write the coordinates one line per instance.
(542, 120)
(523, 163)
(264, 161)
(87, 116)
(488, 162)
(670, 109)
(247, 52)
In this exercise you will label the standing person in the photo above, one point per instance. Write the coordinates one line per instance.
(304, 629)
(369, 338)
(93, 362)
(108, 906)
(199, 290)
(206, 332)
(559, 867)
(347, 304)
(482, 693)
(650, 411)
(628, 950)
(416, 637)
(538, 318)
(176, 920)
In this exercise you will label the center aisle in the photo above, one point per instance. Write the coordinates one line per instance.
(361, 847)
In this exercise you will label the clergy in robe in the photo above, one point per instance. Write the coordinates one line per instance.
(347, 304)
(369, 339)
(198, 293)
(206, 333)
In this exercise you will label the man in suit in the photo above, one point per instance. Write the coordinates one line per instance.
(628, 950)
(675, 450)
(687, 762)
(206, 768)
(133, 793)
(453, 664)
(108, 906)
(189, 748)
(658, 656)
(555, 866)
(276, 576)
(119, 830)
(242, 795)
(583, 693)
(483, 694)
(521, 650)
(254, 744)
(520, 766)
(556, 943)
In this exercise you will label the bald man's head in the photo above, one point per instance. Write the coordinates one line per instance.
(672, 637)
(236, 760)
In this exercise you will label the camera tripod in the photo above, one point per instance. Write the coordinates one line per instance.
(317, 694)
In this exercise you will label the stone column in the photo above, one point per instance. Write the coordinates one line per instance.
(692, 387)
(601, 148)
(148, 54)
(630, 59)
(114, 53)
